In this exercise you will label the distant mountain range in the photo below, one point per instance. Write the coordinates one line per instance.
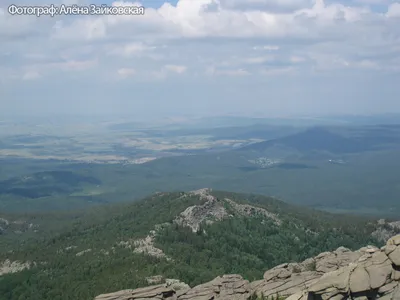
(323, 139)
(334, 168)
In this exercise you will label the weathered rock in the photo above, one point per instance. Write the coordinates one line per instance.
(194, 216)
(386, 230)
(289, 278)
(154, 292)
(224, 288)
(8, 266)
(214, 210)
(338, 279)
(388, 288)
(394, 256)
(176, 284)
(394, 240)
(359, 280)
(285, 287)
(157, 279)
(369, 273)
(373, 275)
(396, 275)
(250, 210)
(146, 245)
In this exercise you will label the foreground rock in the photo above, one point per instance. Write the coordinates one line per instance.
(288, 279)
(225, 288)
(375, 275)
(369, 273)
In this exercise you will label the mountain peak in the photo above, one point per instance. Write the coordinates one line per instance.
(215, 209)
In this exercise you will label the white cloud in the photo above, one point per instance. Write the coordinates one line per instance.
(277, 71)
(69, 2)
(191, 19)
(74, 65)
(213, 71)
(237, 41)
(84, 28)
(259, 59)
(297, 59)
(157, 75)
(131, 49)
(393, 11)
(270, 5)
(31, 75)
(63, 66)
(374, 2)
(267, 47)
(176, 68)
(163, 73)
(126, 72)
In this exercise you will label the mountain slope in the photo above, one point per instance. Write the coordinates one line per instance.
(42, 184)
(328, 140)
(368, 273)
(191, 236)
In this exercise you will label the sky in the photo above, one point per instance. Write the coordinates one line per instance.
(205, 57)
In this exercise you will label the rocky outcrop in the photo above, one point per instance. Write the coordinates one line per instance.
(369, 273)
(375, 275)
(288, 279)
(154, 292)
(8, 266)
(227, 287)
(214, 209)
(146, 245)
(385, 230)
(16, 226)
(250, 210)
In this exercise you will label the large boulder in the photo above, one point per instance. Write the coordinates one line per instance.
(290, 278)
(374, 275)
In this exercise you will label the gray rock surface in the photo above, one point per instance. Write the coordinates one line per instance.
(213, 210)
(374, 275)
(223, 288)
(369, 273)
(155, 292)
(8, 266)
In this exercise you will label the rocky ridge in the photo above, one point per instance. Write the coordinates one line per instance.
(386, 229)
(214, 210)
(8, 266)
(368, 273)
(16, 226)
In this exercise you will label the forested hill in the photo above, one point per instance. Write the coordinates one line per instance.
(192, 236)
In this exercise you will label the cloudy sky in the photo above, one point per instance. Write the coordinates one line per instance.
(271, 57)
